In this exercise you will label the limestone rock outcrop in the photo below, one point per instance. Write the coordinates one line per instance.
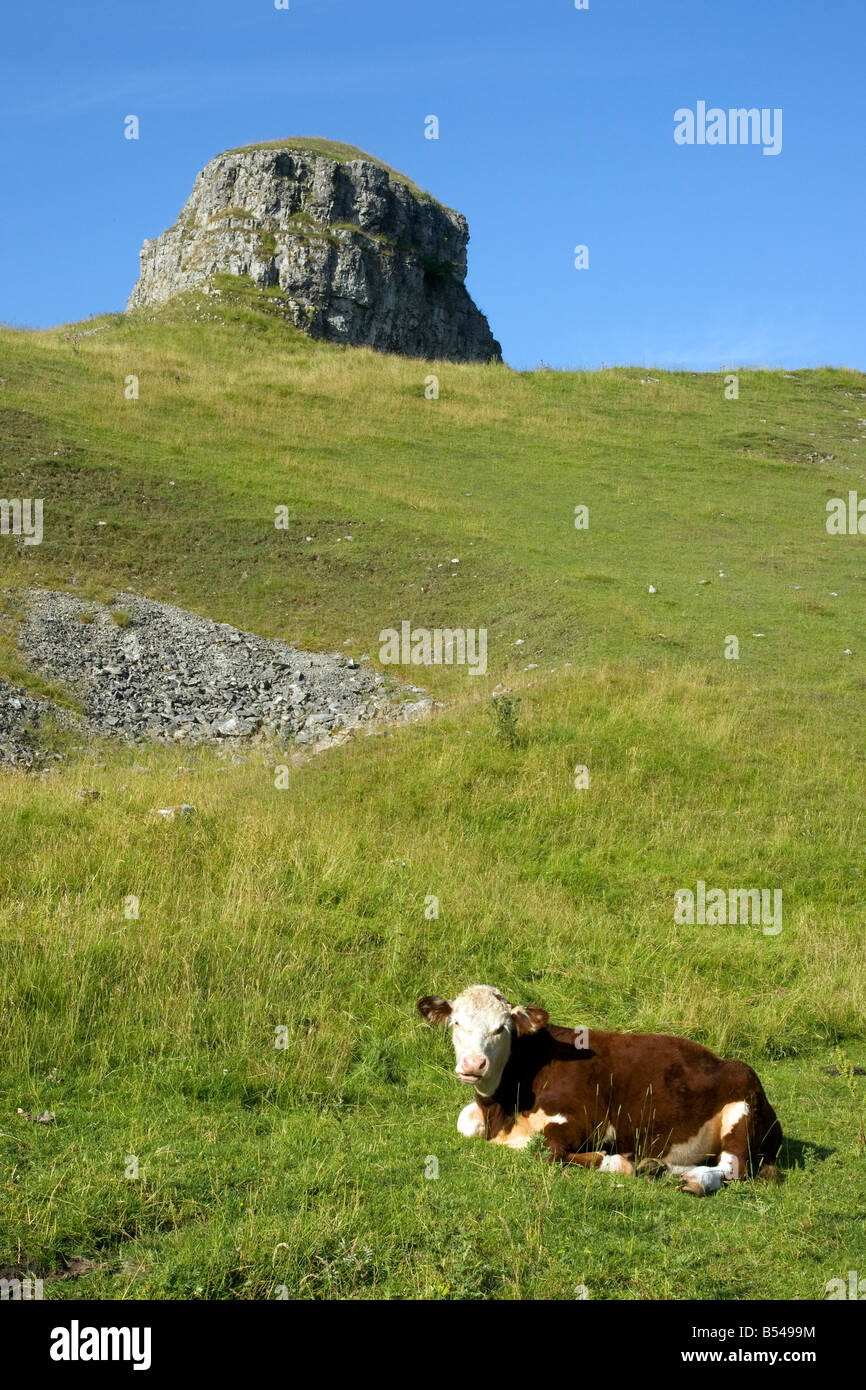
(359, 254)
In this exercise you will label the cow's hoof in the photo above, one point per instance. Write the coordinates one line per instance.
(691, 1185)
(651, 1168)
(701, 1181)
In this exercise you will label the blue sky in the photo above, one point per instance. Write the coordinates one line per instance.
(556, 129)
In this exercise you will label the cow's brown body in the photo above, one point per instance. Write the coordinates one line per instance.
(608, 1100)
(645, 1095)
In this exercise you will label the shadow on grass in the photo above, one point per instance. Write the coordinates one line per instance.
(798, 1153)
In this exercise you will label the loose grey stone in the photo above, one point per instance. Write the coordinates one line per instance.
(218, 698)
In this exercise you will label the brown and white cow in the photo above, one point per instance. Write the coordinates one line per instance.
(606, 1100)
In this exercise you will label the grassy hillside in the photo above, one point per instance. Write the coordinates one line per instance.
(303, 1167)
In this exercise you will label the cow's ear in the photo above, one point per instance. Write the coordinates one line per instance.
(434, 1009)
(530, 1020)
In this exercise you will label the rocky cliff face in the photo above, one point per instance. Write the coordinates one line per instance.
(361, 255)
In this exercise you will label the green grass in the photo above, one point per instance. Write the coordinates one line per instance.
(304, 909)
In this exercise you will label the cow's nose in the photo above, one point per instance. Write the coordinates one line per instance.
(473, 1064)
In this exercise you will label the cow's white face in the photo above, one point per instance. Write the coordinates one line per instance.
(482, 1025)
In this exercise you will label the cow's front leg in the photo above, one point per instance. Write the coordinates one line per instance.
(470, 1121)
(605, 1163)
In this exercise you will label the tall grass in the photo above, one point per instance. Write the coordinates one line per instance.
(437, 855)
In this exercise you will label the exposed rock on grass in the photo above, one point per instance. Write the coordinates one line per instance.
(362, 255)
(23, 723)
(169, 675)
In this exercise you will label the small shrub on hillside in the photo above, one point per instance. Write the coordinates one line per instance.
(503, 711)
